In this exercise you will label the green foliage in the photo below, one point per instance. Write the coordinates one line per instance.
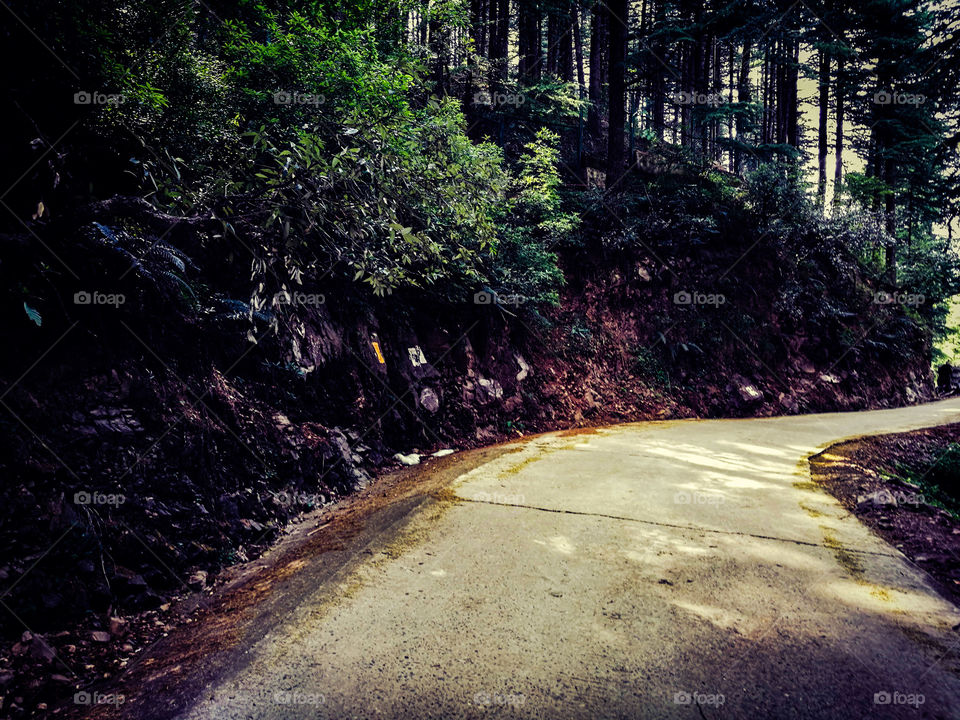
(306, 141)
(930, 270)
(777, 195)
(534, 221)
(863, 189)
(938, 481)
(648, 365)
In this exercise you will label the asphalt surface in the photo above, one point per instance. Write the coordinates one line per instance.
(680, 569)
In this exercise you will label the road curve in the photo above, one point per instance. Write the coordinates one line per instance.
(678, 569)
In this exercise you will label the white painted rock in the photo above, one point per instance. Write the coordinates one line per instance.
(411, 459)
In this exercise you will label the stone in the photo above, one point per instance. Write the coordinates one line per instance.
(488, 390)
(411, 459)
(524, 368)
(512, 403)
(789, 403)
(417, 358)
(118, 627)
(197, 580)
(429, 400)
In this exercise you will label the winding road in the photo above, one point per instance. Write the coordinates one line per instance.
(679, 569)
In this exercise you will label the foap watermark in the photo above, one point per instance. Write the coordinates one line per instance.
(899, 298)
(98, 98)
(687, 297)
(299, 298)
(83, 497)
(499, 498)
(698, 698)
(886, 697)
(888, 497)
(489, 297)
(885, 97)
(487, 699)
(98, 698)
(299, 498)
(684, 97)
(497, 99)
(697, 498)
(288, 97)
(295, 697)
(98, 298)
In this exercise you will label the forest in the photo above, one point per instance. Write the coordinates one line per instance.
(254, 252)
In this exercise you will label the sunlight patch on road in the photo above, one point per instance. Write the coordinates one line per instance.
(875, 598)
(558, 543)
(719, 617)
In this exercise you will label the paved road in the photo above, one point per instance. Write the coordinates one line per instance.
(656, 570)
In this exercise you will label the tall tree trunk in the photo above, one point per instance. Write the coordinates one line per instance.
(822, 140)
(890, 219)
(503, 37)
(438, 60)
(476, 25)
(617, 12)
(483, 28)
(839, 94)
(553, 40)
(792, 94)
(528, 37)
(578, 46)
(497, 51)
(658, 81)
(598, 72)
(744, 95)
(765, 96)
(565, 44)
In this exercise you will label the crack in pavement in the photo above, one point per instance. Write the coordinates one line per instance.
(677, 526)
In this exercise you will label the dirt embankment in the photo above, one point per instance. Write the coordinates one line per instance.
(901, 486)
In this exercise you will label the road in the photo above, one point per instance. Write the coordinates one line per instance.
(678, 569)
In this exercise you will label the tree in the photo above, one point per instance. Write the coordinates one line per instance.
(617, 19)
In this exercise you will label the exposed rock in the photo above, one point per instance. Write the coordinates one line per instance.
(524, 368)
(411, 459)
(488, 390)
(351, 460)
(118, 627)
(512, 403)
(486, 433)
(429, 400)
(196, 581)
(100, 636)
(789, 403)
(417, 358)
(443, 453)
